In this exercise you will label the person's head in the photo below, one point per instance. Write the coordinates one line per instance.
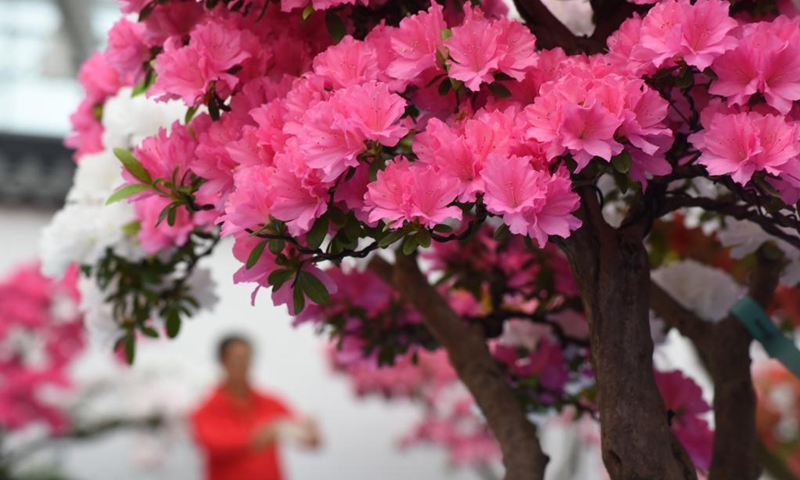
(234, 354)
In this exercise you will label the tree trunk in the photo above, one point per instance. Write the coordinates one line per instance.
(612, 271)
(466, 347)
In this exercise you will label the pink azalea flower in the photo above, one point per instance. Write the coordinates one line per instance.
(415, 43)
(519, 45)
(328, 140)
(532, 202)
(685, 400)
(299, 196)
(249, 204)
(762, 62)
(475, 50)
(166, 155)
(695, 32)
(155, 238)
(127, 50)
(741, 144)
(350, 62)
(405, 192)
(373, 111)
(588, 131)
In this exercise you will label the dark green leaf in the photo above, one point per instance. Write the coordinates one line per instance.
(255, 255)
(127, 191)
(622, 162)
(130, 349)
(409, 245)
(336, 27)
(313, 288)
(392, 237)
(445, 86)
(172, 212)
(276, 246)
(149, 331)
(132, 165)
(446, 33)
(279, 277)
(423, 238)
(299, 299)
(502, 233)
(173, 324)
(499, 90)
(316, 235)
(443, 228)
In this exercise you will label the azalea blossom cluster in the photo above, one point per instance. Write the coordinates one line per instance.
(324, 137)
(40, 336)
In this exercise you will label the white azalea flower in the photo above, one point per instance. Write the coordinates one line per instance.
(707, 291)
(129, 120)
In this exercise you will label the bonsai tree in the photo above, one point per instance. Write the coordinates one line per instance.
(413, 175)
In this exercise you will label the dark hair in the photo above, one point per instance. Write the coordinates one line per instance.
(229, 340)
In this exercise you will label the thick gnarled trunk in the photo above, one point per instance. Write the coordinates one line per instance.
(612, 271)
(466, 347)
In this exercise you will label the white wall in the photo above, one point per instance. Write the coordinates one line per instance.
(360, 435)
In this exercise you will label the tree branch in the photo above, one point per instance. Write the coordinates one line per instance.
(735, 440)
(612, 271)
(770, 224)
(550, 32)
(725, 349)
(466, 347)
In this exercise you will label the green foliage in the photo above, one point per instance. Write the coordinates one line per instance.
(154, 287)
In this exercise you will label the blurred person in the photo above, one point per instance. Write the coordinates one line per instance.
(239, 428)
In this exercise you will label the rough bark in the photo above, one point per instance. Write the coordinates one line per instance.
(522, 454)
(725, 349)
(612, 271)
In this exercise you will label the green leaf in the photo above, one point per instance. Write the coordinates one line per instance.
(446, 34)
(130, 349)
(499, 90)
(308, 11)
(392, 237)
(147, 10)
(255, 255)
(276, 246)
(149, 331)
(145, 84)
(299, 299)
(132, 228)
(127, 191)
(336, 27)
(622, 162)
(279, 277)
(423, 238)
(132, 165)
(313, 288)
(409, 245)
(445, 86)
(316, 235)
(502, 233)
(172, 212)
(173, 323)
(190, 113)
(443, 228)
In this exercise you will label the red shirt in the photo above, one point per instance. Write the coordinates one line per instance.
(224, 426)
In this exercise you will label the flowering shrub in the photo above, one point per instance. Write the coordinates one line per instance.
(40, 336)
(476, 151)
